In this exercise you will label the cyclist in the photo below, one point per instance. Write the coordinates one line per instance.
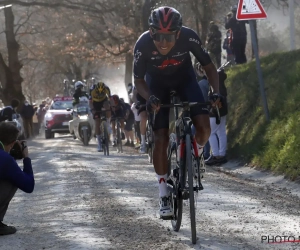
(99, 98)
(163, 55)
(118, 110)
(79, 92)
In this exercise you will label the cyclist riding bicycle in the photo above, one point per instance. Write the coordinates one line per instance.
(79, 92)
(99, 98)
(163, 55)
(118, 109)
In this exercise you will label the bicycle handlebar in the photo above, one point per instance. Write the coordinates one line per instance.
(186, 105)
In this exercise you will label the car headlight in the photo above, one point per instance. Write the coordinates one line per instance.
(48, 115)
(83, 117)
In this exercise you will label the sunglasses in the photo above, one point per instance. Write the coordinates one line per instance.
(160, 37)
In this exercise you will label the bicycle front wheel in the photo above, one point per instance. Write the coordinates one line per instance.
(174, 173)
(188, 155)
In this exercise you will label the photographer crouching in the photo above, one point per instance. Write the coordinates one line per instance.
(11, 176)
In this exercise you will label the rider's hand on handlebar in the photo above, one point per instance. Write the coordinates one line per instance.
(215, 100)
(137, 105)
(153, 104)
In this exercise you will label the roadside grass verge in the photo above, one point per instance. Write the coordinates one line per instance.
(274, 145)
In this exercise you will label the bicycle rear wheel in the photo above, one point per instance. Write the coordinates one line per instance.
(174, 173)
(188, 155)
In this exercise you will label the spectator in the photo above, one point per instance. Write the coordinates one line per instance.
(218, 136)
(8, 112)
(41, 113)
(11, 176)
(35, 121)
(27, 113)
(227, 45)
(214, 43)
(239, 36)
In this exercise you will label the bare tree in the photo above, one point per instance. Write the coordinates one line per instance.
(10, 75)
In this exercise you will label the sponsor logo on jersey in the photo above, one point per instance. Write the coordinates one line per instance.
(157, 57)
(168, 63)
(154, 52)
(194, 40)
(137, 56)
(179, 54)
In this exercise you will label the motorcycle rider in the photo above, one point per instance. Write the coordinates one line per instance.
(99, 98)
(79, 92)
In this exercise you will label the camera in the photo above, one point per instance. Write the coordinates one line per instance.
(17, 150)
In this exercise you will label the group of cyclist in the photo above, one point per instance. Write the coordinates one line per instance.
(101, 102)
(162, 63)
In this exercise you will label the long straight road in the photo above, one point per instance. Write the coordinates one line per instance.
(84, 200)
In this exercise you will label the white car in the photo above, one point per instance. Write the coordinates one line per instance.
(58, 116)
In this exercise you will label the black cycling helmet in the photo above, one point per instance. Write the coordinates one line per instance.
(165, 19)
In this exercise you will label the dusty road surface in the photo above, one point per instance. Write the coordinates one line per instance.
(83, 200)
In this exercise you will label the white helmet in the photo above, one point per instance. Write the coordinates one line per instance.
(78, 84)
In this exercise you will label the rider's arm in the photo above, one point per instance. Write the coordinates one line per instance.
(139, 70)
(142, 88)
(203, 57)
(108, 93)
(91, 99)
(213, 77)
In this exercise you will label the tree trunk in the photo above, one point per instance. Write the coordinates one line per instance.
(128, 68)
(146, 11)
(11, 80)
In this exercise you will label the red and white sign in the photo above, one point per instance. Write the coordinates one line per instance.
(62, 98)
(250, 10)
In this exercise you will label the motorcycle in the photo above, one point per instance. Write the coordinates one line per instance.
(82, 126)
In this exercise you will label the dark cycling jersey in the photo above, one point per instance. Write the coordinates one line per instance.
(148, 59)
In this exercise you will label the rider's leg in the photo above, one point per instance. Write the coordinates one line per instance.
(202, 125)
(138, 132)
(131, 136)
(128, 129)
(122, 125)
(106, 106)
(98, 132)
(113, 126)
(143, 125)
(191, 92)
(127, 138)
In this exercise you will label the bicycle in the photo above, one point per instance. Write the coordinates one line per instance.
(104, 132)
(186, 168)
